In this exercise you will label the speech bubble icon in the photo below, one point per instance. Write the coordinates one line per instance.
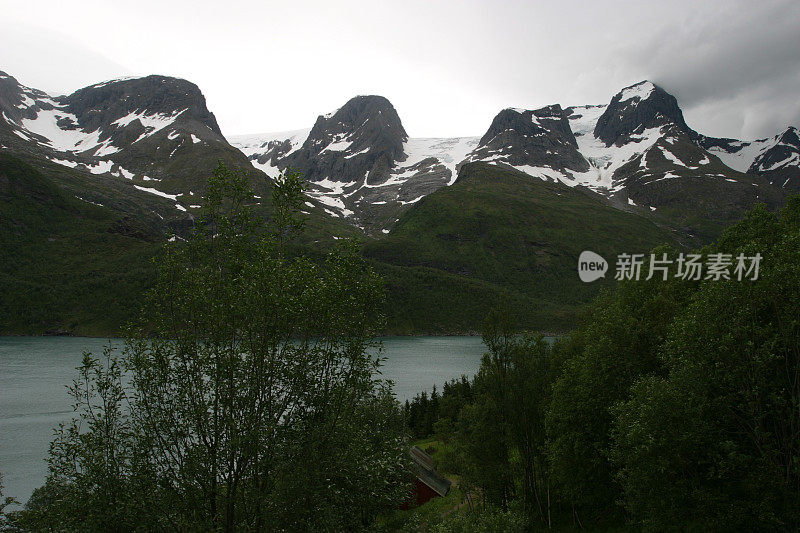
(591, 266)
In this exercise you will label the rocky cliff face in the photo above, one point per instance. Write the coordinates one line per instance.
(780, 161)
(359, 162)
(104, 104)
(359, 142)
(540, 138)
(156, 132)
(636, 109)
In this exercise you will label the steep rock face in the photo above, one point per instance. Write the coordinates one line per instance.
(531, 138)
(102, 104)
(649, 161)
(677, 182)
(780, 162)
(18, 102)
(359, 162)
(638, 108)
(776, 159)
(361, 141)
(785, 151)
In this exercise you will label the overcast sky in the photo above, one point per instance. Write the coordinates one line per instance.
(448, 67)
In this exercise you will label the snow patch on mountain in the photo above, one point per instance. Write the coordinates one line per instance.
(330, 193)
(258, 144)
(449, 151)
(115, 80)
(743, 155)
(605, 160)
(793, 159)
(548, 173)
(152, 122)
(63, 162)
(339, 143)
(59, 130)
(671, 157)
(640, 91)
(101, 167)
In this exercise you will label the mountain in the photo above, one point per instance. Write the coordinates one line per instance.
(495, 231)
(70, 264)
(648, 159)
(636, 109)
(776, 158)
(538, 142)
(359, 161)
(365, 170)
(93, 183)
(92, 186)
(156, 132)
(637, 151)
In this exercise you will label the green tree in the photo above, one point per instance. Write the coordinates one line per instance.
(251, 401)
(501, 433)
(718, 437)
(617, 344)
(5, 502)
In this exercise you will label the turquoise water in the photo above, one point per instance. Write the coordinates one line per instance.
(34, 373)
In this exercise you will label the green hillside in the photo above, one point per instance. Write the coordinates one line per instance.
(68, 265)
(498, 230)
(74, 267)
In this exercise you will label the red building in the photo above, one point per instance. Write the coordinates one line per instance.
(428, 484)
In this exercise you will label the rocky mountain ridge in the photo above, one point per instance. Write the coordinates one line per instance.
(637, 151)
(154, 132)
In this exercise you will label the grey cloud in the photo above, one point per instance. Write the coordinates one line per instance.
(738, 64)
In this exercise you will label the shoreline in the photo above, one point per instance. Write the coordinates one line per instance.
(424, 334)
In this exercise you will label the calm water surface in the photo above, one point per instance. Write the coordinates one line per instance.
(34, 373)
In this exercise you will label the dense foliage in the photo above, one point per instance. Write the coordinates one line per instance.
(245, 398)
(674, 406)
(67, 265)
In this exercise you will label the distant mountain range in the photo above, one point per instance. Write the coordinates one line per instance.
(157, 132)
(450, 222)
(637, 151)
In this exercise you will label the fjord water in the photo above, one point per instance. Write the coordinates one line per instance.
(35, 371)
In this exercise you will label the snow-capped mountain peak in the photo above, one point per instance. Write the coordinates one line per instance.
(360, 162)
(146, 129)
(638, 92)
(638, 108)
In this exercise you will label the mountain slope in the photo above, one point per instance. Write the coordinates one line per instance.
(451, 223)
(154, 132)
(363, 168)
(360, 163)
(70, 265)
(538, 142)
(637, 151)
(500, 228)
